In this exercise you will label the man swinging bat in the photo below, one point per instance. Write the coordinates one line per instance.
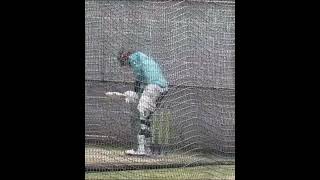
(150, 87)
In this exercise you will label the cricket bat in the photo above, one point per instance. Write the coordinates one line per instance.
(115, 94)
(129, 96)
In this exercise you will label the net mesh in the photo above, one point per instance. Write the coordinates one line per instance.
(193, 41)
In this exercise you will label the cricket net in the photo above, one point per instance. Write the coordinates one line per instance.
(193, 41)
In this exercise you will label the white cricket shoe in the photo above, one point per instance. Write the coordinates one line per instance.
(142, 149)
(135, 153)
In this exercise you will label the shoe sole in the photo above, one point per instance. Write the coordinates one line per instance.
(147, 155)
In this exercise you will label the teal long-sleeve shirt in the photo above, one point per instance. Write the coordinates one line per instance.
(146, 70)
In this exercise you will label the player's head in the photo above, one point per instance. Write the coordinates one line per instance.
(123, 56)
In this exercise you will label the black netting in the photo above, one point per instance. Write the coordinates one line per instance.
(193, 41)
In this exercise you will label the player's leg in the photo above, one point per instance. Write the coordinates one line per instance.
(143, 137)
(147, 107)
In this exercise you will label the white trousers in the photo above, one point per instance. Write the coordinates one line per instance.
(148, 100)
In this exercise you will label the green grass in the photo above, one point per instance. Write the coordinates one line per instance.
(201, 172)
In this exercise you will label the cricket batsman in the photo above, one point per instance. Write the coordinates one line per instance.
(150, 87)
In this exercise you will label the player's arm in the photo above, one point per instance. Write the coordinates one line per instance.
(139, 84)
(136, 86)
